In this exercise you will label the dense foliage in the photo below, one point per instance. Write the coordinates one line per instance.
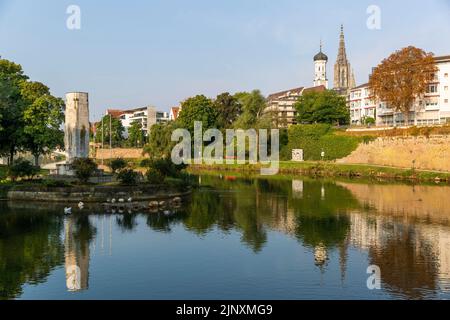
(30, 117)
(84, 169)
(403, 77)
(117, 164)
(110, 126)
(314, 139)
(22, 169)
(128, 177)
(322, 107)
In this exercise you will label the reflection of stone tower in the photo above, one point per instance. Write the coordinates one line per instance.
(76, 260)
(76, 138)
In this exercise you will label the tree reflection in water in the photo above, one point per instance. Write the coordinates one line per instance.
(325, 217)
(30, 248)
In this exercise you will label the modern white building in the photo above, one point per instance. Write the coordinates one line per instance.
(362, 105)
(431, 109)
(146, 116)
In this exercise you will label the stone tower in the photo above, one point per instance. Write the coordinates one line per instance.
(320, 67)
(76, 133)
(344, 78)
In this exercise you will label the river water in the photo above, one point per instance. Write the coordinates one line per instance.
(237, 238)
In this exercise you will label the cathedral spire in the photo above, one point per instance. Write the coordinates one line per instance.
(342, 53)
(343, 77)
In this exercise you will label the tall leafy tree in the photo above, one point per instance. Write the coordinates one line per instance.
(136, 137)
(117, 131)
(42, 118)
(228, 109)
(402, 78)
(198, 108)
(11, 107)
(322, 107)
(253, 105)
(159, 142)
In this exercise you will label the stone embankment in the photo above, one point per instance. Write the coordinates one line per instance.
(94, 194)
(424, 153)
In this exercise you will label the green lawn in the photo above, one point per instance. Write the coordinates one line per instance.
(331, 169)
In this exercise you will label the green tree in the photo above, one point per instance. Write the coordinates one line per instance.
(117, 164)
(322, 107)
(116, 133)
(198, 108)
(84, 169)
(43, 116)
(253, 105)
(228, 108)
(11, 107)
(159, 143)
(136, 136)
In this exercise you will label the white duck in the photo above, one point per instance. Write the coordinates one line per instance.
(67, 211)
(81, 205)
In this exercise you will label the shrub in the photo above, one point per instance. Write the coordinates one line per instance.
(128, 177)
(117, 165)
(55, 183)
(165, 167)
(154, 176)
(84, 169)
(369, 121)
(22, 169)
(314, 139)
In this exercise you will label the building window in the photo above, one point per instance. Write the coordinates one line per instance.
(446, 88)
(446, 75)
(432, 88)
(446, 101)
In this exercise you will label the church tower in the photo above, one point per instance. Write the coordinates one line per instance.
(344, 78)
(320, 67)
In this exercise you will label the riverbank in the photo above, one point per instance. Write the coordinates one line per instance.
(95, 194)
(332, 169)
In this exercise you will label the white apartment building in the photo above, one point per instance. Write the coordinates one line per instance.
(362, 105)
(431, 109)
(146, 116)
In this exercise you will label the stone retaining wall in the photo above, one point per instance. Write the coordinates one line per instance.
(431, 153)
(119, 153)
(95, 194)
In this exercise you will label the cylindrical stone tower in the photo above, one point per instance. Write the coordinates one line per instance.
(76, 137)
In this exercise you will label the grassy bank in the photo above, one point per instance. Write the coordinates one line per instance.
(330, 169)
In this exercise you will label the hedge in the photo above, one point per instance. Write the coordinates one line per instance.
(314, 139)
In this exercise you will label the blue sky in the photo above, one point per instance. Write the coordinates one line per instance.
(134, 53)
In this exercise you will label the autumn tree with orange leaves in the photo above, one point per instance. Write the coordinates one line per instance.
(402, 78)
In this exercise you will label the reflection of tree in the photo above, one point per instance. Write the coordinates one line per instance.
(407, 263)
(162, 223)
(30, 248)
(127, 222)
(204, 211)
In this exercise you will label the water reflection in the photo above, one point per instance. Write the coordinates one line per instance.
(402, 229)
(78, 235)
